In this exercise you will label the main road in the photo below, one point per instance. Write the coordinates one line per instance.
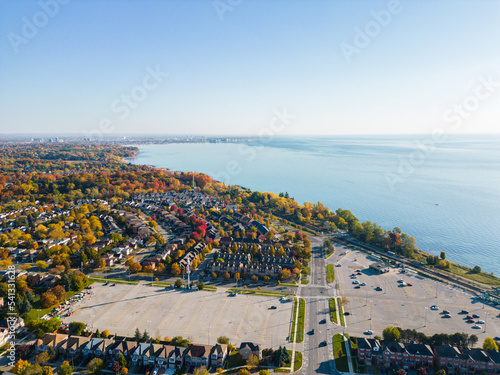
(318, 347)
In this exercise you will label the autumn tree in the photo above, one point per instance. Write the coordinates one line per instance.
(489, 344)
(253, 361)
(391, 333)
(175, 269)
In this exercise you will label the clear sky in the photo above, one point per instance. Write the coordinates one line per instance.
(228, 66)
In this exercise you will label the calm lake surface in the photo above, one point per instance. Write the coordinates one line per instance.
(446, 194)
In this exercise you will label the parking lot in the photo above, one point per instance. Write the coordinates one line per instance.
(201, 316)
(407, 306)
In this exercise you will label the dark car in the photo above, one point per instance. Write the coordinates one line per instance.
(273, 308)
(470, 321)
(468, 317)
(475, 316)
(312, 331)
(464, 312)
(357, 287)
(446, 312)
(378, 289)
(322, 321)
(446, 316)
(347, 313)
(322, 343)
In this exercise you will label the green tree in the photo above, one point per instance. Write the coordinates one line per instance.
(476, 269)
(178, 283)
(76, 328)
(490, 344)
(94, 365)
(65, 370)
(243, 371)
(120, 358)
(200, 371)
(440, 372)
(443, 255)
(264, 372)
(137, 335)
(222, 340)
(391, 333)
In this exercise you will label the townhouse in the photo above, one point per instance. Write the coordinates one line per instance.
(162, 355)
(413, 356)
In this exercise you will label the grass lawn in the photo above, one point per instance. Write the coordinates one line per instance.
(330, 273)
(339, 352)
(118, 281)
(479, 277)
(297, 363)
(333, 310)
(234, 360)
(257, 292)
(292, 334)
(304, 281)
(300, 322)
(328, 253)
(341, 312)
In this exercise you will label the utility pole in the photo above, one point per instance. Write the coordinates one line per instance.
(425, 322)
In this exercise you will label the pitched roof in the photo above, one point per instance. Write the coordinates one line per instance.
(253, 347)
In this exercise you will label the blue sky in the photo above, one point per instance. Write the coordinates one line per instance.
(227, 69)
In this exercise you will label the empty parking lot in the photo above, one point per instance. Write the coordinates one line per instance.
(201, 316)
(407, 306)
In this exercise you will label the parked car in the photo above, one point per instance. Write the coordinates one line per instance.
(476, 326)
(355, 282)
(347, 313)
(362, 284)
(464, 312)
(480, 321)
(357, 287)
(312, 331)
(338, 265)
(446, 316)
(322, 343)
(470, 320)
(378, 289)
(469, 317)
(368, 332)
(322, 321)
(273, 308)
(475, 316)
(446, 312)
(434, 307)
(409, 284)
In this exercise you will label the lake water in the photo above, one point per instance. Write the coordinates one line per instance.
(444, 193)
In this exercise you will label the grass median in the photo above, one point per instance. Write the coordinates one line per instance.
(330, 273)
(333, 310)
(341, 311)
(117, 281)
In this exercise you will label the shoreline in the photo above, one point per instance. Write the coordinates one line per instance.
(421, 252)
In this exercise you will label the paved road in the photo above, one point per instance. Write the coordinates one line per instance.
(318, 358)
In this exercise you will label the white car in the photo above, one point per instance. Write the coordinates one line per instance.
(480, 321)
(362, 284)
(476, 326)
(368, 332)
(434, 307)
(355, 282)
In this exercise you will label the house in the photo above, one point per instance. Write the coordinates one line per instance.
(248, 348)
(4, 335)
(175, 356)
(49, 340)
(368, 350)
(122, 346)
(73, 346)
(448, 357)
(218, 355)
(139, 352)
(197, 355)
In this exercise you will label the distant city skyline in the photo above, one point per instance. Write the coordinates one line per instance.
(257, 68)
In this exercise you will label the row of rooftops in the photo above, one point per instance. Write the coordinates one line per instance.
(63, 342)
(375, 347)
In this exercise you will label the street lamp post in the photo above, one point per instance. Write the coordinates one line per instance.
(425, 322)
